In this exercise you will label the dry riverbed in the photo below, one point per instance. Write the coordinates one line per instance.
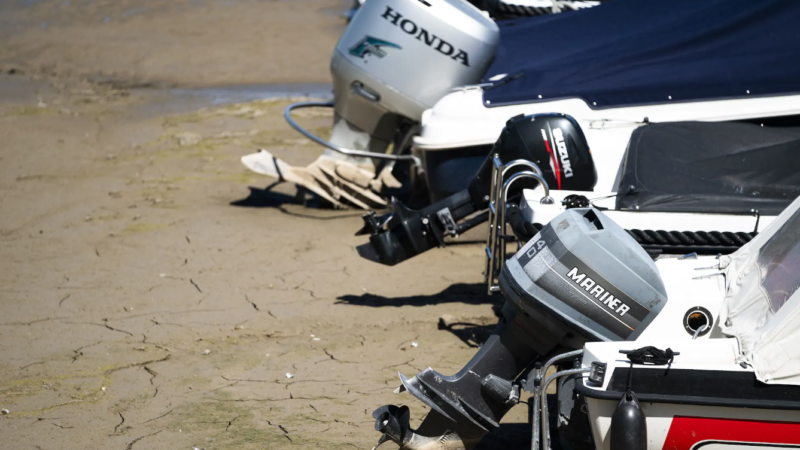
(154, 294)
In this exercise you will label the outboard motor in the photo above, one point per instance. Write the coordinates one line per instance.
(581, 278)
(554, 142)
(397, 58)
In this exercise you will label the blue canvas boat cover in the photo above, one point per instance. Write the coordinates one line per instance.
(634, 52)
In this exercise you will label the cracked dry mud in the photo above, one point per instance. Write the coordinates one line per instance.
(154, 295)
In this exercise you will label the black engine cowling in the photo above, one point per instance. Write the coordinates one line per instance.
(554, 142)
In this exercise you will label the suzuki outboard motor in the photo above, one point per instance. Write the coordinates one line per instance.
(554, 142)
(581, 278)
(397, 58)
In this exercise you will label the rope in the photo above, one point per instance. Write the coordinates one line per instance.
(649, 355)
(663, 238)
(718, 241)
(693, 238)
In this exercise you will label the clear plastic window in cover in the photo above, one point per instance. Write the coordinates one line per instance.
(779, 263)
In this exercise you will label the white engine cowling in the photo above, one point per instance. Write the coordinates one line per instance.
(397, 58)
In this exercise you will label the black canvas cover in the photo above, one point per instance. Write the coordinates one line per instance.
(707, 167)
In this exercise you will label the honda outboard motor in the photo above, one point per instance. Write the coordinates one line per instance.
(397, 58)
(554, 142)
(582, 278)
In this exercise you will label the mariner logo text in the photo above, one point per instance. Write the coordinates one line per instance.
(424, 36)
(599, 292)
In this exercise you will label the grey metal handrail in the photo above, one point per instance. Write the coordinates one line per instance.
(545, 436)
(521, 162)
(540, 396)
(495, 244)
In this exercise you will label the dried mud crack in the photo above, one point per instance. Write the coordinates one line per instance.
(114, 231)
(133, 442)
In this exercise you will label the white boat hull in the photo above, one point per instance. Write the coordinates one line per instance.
(689, 427)
(460, 119)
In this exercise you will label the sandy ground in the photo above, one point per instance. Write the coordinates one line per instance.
(153, 293)
(172, 42)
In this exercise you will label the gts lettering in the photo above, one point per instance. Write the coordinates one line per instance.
(598, 292)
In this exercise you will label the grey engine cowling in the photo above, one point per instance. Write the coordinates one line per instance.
(397, 58)
(585, 271)
(581, 278)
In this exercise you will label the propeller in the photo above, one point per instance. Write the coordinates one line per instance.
(393, 422)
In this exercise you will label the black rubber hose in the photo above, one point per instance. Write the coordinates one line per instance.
(472, 222)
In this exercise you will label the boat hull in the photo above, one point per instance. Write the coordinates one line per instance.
(690, 427)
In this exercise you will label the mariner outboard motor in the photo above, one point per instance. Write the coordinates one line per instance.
(554, 142)
(581, 278)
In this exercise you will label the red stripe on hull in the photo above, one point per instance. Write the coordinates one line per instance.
(686, 432)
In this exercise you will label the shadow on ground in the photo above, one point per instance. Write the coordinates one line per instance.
(472, 334)
(266, 198)
(517, 436)
(303, 204)
(510, 436)
(471, 294)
